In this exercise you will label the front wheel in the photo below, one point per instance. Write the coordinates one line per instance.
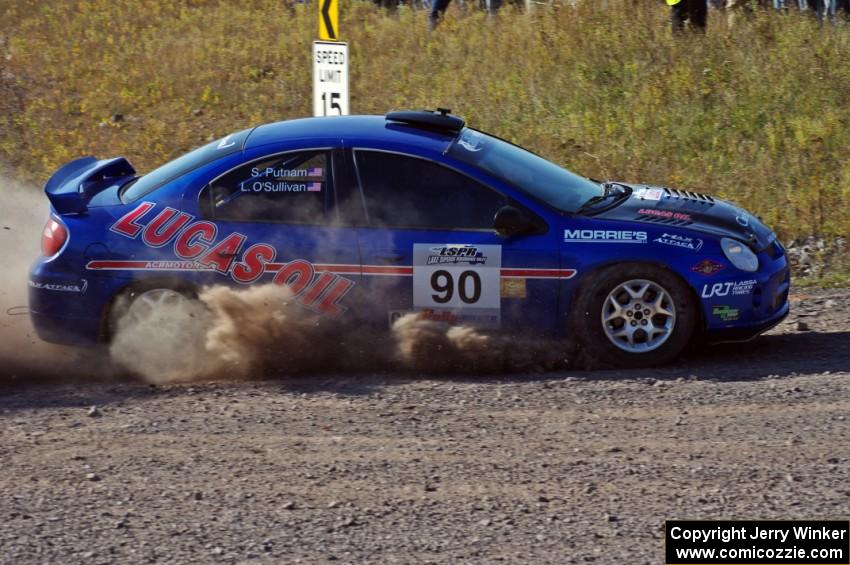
(633, 315)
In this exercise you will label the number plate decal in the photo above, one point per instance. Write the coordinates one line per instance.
(459, 278)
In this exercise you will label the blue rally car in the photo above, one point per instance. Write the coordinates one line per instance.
(371, 217)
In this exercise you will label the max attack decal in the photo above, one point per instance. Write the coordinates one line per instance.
(708, 267)
(604, 236)
(682, 241)
(197, 244)
(738, 288)
(57, 287)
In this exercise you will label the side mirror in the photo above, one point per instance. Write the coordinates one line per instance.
(510, 221)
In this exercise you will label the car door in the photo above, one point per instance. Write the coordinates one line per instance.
(278, 210)
(428, 245)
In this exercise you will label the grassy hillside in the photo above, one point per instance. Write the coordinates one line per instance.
(758, 113)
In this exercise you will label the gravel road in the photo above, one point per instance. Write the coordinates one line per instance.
(567, 467)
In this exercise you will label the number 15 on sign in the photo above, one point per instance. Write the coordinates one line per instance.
(330, 78)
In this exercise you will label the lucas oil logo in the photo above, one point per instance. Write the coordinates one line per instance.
(604, 236)
(454, 254)
(199, 247)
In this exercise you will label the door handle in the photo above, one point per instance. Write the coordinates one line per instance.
(390, 258)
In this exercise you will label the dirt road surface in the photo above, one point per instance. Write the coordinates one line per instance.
(567, 467)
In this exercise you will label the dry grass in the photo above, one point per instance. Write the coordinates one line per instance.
(758, 113)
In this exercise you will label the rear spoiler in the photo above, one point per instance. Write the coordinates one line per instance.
(76, 183)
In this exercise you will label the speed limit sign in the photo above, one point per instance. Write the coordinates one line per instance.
(330, 78)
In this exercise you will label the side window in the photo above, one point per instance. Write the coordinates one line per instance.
(408, 192)
(287, 188)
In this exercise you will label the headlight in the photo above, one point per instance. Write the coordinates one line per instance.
(739, 255)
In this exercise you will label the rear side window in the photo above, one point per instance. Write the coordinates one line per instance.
(287, 188)
(185, 164)
(407, 192)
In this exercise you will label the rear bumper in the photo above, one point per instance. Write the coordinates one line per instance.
(65, 308)
(80, 332)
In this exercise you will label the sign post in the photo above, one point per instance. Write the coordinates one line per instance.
(330, 64)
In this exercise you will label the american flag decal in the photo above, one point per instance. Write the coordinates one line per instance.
(314, 187)
(315, 172)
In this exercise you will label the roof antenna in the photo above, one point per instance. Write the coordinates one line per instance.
(444, 111)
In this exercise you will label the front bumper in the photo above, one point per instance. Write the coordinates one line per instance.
(759, 310)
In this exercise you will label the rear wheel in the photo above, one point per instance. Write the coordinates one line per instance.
(159, 333)
(634, 315)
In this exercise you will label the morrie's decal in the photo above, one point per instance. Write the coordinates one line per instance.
(197, 246)
(666, 214)
(707, 267)
(737, 288)
(682, 241)
(604, 236)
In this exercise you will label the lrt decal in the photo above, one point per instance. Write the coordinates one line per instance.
(196, 244)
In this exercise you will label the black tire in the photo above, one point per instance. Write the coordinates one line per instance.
(597, 350)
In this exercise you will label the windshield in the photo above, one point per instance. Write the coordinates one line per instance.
(534, 175)
(182, 165)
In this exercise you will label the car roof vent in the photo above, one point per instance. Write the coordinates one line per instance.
(440, 119)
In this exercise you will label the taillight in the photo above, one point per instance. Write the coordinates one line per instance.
(53, 237)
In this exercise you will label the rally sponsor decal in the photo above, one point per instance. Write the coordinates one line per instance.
(707, 267)
(736, 288)
(604, 236)
(665, 214)
(79, 288)
(513, 288)
(681, 241)
(454, 254)
(198, 248)
(726, 313)
(649, 193)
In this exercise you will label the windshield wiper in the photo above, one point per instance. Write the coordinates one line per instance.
(613, 190)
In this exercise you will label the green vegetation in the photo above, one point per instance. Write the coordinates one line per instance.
(758, 112)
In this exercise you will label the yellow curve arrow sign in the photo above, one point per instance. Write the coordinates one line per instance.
(329, 20)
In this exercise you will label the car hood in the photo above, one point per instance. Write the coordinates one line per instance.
(694, 211)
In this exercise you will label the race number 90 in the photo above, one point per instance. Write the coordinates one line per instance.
(468, 286)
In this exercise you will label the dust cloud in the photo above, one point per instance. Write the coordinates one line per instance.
(228, 333)
(262, 331)
(23, 355)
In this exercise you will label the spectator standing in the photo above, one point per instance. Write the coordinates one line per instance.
(694, 12)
